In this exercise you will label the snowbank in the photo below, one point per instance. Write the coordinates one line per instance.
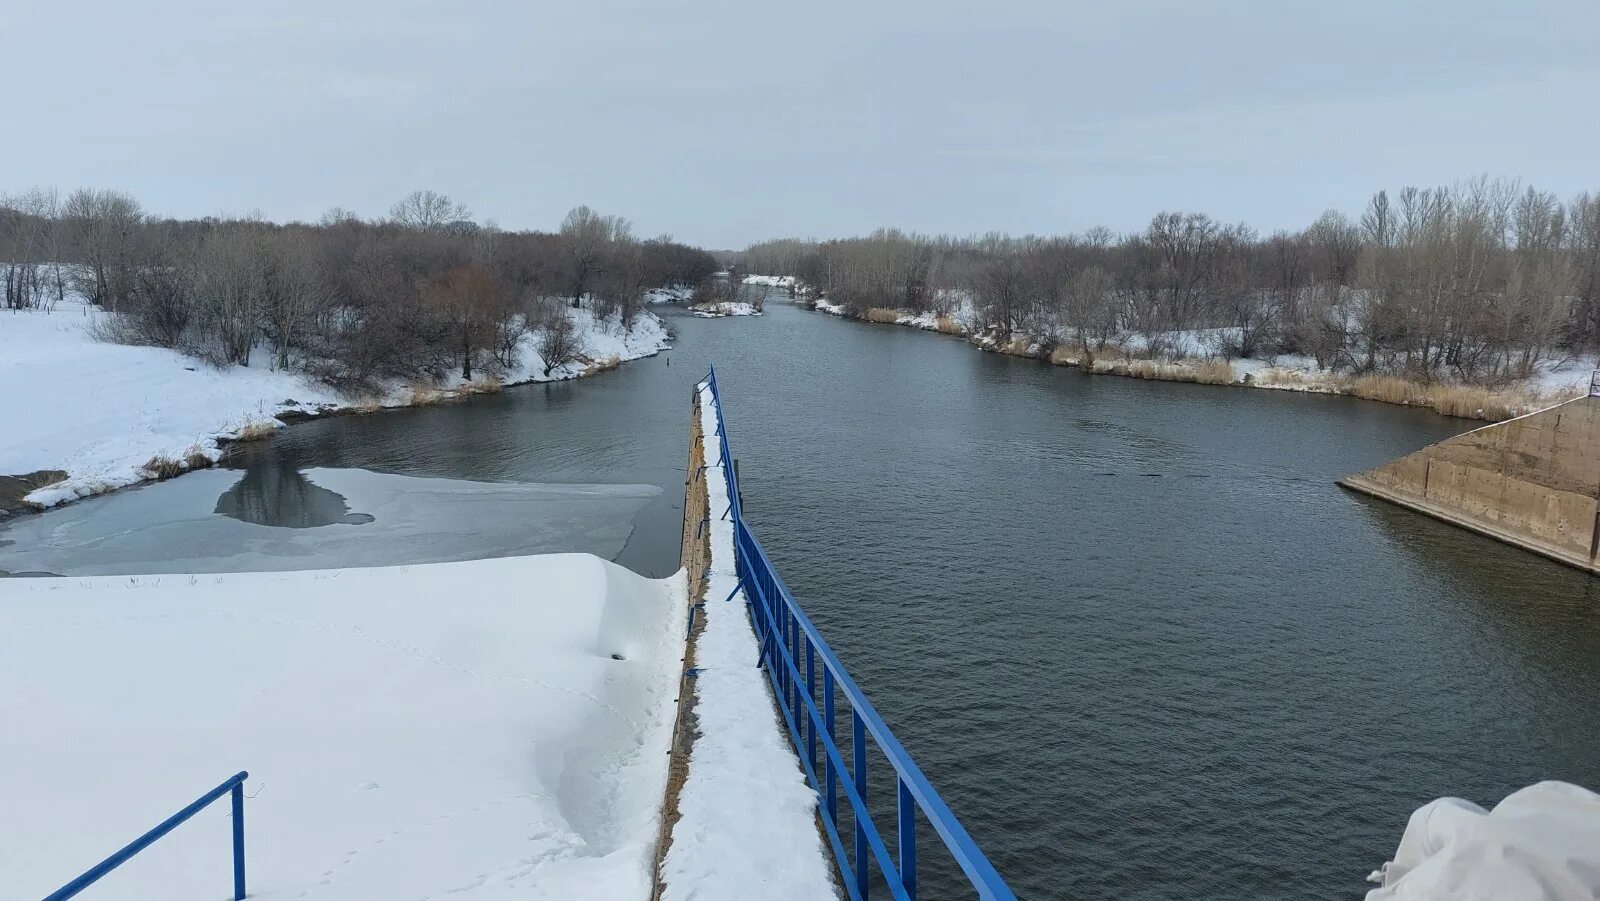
(1542, 843)
(747, 826)
(772, 281)
(102, 411)
(491, 729)
(674, 294)
(728, 308)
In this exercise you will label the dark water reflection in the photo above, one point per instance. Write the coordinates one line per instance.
(1132, 630)
(277, 496)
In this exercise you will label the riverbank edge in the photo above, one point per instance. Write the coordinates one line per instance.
(14, 489)
(1456, 401)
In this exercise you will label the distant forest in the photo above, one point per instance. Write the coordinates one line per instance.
(1481, 281)
(424, 292)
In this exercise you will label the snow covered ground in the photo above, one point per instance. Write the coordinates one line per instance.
(490, 729)
(1178, 355)
(102, 411)
(772, 281)
(747, 826)
(719, 310)
(674, 294)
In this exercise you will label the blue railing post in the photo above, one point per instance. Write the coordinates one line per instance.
(906, 833)
(238, 841)
(234, 785)
(858, 744)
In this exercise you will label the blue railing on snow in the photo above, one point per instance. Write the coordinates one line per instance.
(234, 785)
(789, 641)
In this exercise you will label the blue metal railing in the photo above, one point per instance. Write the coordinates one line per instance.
(789, 642)
(235, 785)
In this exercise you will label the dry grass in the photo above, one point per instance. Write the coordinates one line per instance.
(883, 315)
(1203, 372)
(257, 431)
(368, 405)
(1276, 376)
(949, 326)
(1064, 355)
(162, 468)
(487, 384)
(605, 365)
(1214, 372)
(1464, 401)
(195, 458)
(419, 394)
(1018, 347)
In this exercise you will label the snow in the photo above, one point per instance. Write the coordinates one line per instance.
(773, 281)
(1541, 843)
(672, 294)
(102, 411)
(411, 731)
(728, 308)
(748, 818)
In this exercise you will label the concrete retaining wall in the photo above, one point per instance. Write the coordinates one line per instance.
(1533, 481)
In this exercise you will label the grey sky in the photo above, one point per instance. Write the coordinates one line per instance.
(727, 122)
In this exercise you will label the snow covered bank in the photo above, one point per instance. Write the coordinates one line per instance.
(728, 308)
(1542, 843)
(773, 281)
(747, 826)
(490, 729)
(102, 412)
(674, 294)
(1196, 356)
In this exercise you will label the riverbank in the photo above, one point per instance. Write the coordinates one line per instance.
(510, 743)
(111, 415)
(1555, 385)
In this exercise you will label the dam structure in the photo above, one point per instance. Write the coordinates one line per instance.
(772, 750)
(1533, 481)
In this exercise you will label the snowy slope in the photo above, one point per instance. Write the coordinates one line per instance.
(410, 732)
(747, 826)
(101, 411)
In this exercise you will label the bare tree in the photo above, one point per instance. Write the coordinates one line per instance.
(586, 238)
(428, 211)
(558, 340)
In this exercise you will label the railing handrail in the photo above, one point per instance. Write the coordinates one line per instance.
(234, 784)
(751, 556)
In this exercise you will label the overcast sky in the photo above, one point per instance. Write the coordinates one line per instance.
(727, 122)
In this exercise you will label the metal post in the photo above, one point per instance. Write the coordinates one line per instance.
(831, 776)
(238, 842)
(906, 833)
(858, 744)
(811, 692)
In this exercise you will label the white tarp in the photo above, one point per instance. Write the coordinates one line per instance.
(1542, 843)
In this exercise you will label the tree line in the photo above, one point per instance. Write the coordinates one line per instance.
(1480, 281)
(424, 292)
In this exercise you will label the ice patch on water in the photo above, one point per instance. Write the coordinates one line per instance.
(231, 521)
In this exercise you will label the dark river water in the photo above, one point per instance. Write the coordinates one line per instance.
(1131, 630)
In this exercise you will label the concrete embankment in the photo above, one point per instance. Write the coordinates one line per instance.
(1533, 481)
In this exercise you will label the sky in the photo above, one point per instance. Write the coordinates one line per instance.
(723, 123)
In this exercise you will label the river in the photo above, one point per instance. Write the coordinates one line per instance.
(1132, 630)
